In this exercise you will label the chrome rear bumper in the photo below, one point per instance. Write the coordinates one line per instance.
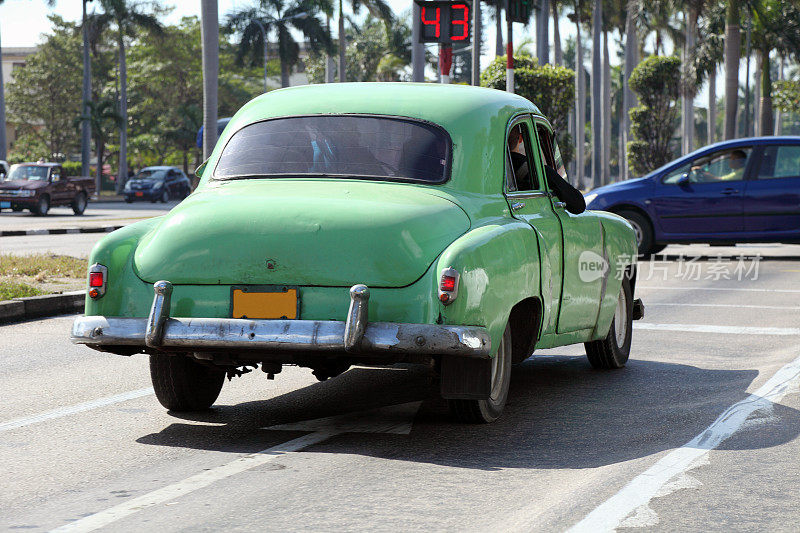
(355, 335)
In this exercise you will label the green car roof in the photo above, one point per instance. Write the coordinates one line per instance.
(475, 118)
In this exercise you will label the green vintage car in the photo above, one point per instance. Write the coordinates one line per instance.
(369, 224)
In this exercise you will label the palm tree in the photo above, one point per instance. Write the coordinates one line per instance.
(733, 39)
(210, 38)
(776, 28)
(580, 96)
(689, 88)
(103, 118)
(499, 49)
(596, 98)
(628, 96)
(128, 17)
(658, 17)
(558, 54)
(709, 54)
(376, 8)
(280, 19)
(3, 154)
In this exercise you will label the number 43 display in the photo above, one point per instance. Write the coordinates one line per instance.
(444, 22)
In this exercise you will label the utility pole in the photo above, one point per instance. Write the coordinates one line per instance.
(86, 124)
(210, 39)
(509, 50)
(597, 105)
(417, 48)
(476, 42)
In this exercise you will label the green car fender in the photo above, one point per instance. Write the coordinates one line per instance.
(498, 265)
(620, 252)
(115, 251)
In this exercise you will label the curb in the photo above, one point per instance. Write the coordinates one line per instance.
(41, 306)
(57, 231)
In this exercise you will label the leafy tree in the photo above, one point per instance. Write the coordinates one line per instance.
(166, 93)
(656, 81)
(367, 46)
(42, 98)
(129, 18)
(787, 96)
(376, 8)
(279, 19)
(550, 87)
(776, 28)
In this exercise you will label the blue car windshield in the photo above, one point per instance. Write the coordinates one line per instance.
(150, 174)
(339, 146)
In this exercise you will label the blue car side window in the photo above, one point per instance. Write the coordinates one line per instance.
(675, 176)
(780, 162)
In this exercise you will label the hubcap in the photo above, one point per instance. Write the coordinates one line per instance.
(621, 319)
(637, 230)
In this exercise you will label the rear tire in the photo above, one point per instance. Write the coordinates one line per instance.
(79, 203)
(165, 196)
(613, 351)
(184, 385)
(643, 229)
(490, 409)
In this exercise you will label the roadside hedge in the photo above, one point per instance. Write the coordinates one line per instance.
(550, 87)
(656, 81)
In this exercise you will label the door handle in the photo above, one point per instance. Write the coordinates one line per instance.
(517, 205)
(729, 191)
(559, 204)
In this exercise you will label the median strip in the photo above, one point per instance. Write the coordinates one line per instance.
(58, 231)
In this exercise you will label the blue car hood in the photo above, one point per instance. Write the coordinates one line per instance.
(620, 186)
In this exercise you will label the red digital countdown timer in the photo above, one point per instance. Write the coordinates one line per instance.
(444, 22)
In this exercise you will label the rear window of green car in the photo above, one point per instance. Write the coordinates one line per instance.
(339, 146)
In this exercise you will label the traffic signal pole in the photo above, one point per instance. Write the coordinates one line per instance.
(509, 51)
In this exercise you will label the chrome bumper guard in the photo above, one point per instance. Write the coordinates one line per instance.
(355, 335)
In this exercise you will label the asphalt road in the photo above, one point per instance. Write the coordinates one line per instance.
(698, 432)
(96, 214)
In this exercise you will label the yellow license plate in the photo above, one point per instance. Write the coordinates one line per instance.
(277, 303)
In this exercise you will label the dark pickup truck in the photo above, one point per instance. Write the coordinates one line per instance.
(38, 186)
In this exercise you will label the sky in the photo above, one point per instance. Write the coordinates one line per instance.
(23, 21)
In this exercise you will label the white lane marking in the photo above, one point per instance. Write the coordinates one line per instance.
(688, 288)
(610, 514)
(728, 330)
(789, 307)
(395, 419)
(72, 409)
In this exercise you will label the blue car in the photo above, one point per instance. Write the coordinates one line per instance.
(745, 190)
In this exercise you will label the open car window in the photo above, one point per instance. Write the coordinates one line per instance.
(344, 146)
(519, 160)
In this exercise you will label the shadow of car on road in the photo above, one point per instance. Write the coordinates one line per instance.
(560, 414)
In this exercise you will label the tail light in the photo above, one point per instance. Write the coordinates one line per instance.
(98, 280)
(448, 285)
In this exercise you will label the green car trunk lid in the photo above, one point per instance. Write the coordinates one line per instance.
(285, 231)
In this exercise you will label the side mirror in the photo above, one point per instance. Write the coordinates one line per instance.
(199, 171)
(565, 192)
(684, 179)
